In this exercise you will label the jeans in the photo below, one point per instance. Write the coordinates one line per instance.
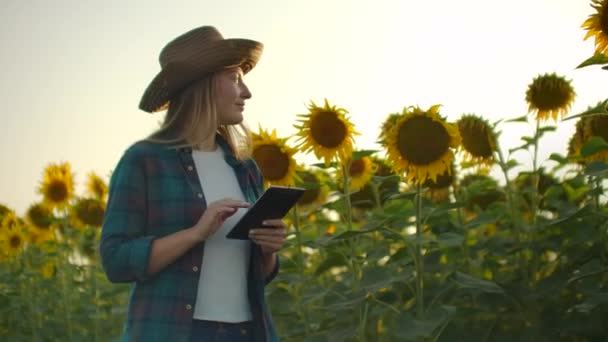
(210, 331)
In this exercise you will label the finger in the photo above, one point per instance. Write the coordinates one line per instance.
(268, 239)
(269, 246)
(230, 202)
(275, 223)
(268, 232)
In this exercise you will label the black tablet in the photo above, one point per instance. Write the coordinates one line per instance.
(274, 203)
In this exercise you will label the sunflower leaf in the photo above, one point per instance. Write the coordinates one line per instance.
(599, 109)
(556, 157)
(450, 239)
(594, 60)
(597, 169)
(465, 281)
(594, 145)
(363, 153)
(324, 166)
(519, 119)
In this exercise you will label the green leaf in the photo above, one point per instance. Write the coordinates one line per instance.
(377, 277)
(600, 109)
(559, 158)
(519, 119)
(450, 239)
(483, 219)
(465, 281)
(369, 227)
(597, 169)
(569, 216)
(363, 153)
(594, 145)
(408, 328)
(600, 59)
(331, 261)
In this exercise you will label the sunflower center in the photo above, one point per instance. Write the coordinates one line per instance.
(327, 129)
(604, 19)
(273, 163)
(57, 191)
(90, 212)
(40, 217)
(476, 140)
(551, 94)
(313, 189)
(357, 167)
(442, 181)
(599, 125)
(15, 241)
(422, 140)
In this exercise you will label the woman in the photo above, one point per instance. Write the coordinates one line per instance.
(175, 195)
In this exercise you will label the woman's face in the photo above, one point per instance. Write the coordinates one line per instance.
(231, 93)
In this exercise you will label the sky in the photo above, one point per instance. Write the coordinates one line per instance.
(74, 71)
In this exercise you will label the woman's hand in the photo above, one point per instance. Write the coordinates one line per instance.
(270, 238)
(214, 216)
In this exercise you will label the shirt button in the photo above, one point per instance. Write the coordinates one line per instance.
(188, 307)
(200, 195)
(190, 168)
(195, 269)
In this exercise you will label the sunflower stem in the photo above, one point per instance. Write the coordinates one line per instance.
(296, 224)
(535, 200)
(419, 265)
(465, 246)
(66, 294)
(34, 312)
(353, 259)
(512, 209)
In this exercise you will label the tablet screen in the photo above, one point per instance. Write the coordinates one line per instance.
(274, 203)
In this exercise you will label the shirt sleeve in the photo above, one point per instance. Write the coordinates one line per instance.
(125, 248)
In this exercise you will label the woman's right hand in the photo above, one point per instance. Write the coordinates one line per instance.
(214, 216)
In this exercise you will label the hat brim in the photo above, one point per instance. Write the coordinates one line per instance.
(220, 55)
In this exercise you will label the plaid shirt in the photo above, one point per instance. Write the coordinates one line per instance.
(155, 191)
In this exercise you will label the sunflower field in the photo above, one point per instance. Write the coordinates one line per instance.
(438, 235)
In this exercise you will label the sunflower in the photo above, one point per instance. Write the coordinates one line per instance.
(58, 185)
(360, 171)
(96, 186)
(597, 25)
(439, 189)
(578, 138)
(386, 181)
(419, 144)
(478, 139)
(40, 218)
(13, 237)
(596, 126)
(386, 126)
(480, 191)
(89, 211)
(275, 158)
(525, 186)
(48, 270)
(4, 210)
(549, 96)
(327, 132)
(316, 193)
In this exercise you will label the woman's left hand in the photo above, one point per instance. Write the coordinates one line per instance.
(270, 238)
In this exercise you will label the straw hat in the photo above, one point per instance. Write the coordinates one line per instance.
(190, 57)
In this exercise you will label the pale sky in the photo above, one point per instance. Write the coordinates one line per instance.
(74, 71)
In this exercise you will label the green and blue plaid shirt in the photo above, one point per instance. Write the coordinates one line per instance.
(155, 191)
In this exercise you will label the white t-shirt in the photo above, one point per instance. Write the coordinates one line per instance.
(222, 286)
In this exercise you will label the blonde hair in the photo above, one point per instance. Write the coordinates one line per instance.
(192, 118)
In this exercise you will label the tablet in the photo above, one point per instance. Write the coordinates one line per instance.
(274, 203)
